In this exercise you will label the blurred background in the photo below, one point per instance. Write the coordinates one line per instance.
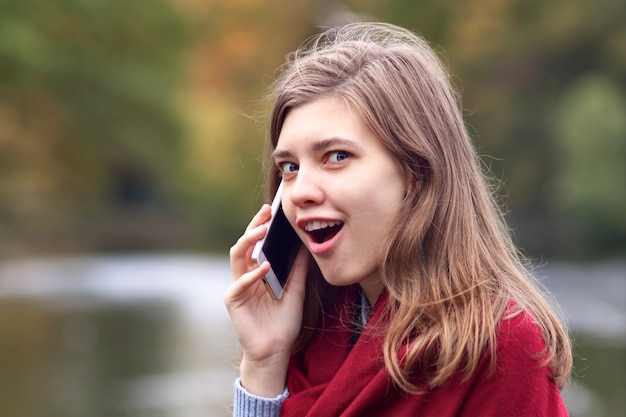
(130, 144)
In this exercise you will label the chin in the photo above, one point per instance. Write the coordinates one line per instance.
(338, 280)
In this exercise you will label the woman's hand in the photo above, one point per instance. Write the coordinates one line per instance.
(266, 328)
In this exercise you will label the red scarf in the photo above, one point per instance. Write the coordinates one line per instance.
(334, 378)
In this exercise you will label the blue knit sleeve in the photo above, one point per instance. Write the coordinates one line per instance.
(250, 405)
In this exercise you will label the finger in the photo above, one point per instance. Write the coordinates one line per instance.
(246, 242)
(240, 288)
(262, 216)
(241, 251)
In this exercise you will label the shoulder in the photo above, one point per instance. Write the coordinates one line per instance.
(520, 383)
(519, 341)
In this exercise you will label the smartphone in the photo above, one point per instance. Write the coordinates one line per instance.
(279, 246)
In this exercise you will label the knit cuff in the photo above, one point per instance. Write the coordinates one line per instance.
(250, 405)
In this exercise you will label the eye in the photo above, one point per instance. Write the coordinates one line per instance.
(287, 167)
(338, 156)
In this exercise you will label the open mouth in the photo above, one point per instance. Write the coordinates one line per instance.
(322, 231)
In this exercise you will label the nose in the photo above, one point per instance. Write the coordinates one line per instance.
(306, 189)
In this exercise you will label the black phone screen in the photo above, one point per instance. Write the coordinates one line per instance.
(281, 246)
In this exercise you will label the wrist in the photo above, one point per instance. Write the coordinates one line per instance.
(265, 378)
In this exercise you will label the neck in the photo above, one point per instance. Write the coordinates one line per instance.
(372, 290)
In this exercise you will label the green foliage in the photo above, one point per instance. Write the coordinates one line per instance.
(122, 124)
(523, 68)
(86, 98)
(590, 127)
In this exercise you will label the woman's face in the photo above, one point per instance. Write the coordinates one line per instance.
(342, 189)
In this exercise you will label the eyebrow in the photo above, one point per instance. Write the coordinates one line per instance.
(319, 146)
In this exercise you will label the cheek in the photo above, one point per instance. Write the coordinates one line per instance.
(377, 214)
(376, 198)
(391, 193)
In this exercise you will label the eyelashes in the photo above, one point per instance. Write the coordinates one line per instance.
(337, 156)
(287, 167)
(331, 158)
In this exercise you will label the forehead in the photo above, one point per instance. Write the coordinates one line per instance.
(326, 118)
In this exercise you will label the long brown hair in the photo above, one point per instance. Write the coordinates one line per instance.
(450, 266)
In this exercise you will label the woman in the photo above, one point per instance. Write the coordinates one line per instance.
(408, 296)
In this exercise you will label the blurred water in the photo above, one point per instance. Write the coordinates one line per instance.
(121, 336)
(593, 297)
(149, 335)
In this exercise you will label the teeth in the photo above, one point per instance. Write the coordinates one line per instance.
(321, 224)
